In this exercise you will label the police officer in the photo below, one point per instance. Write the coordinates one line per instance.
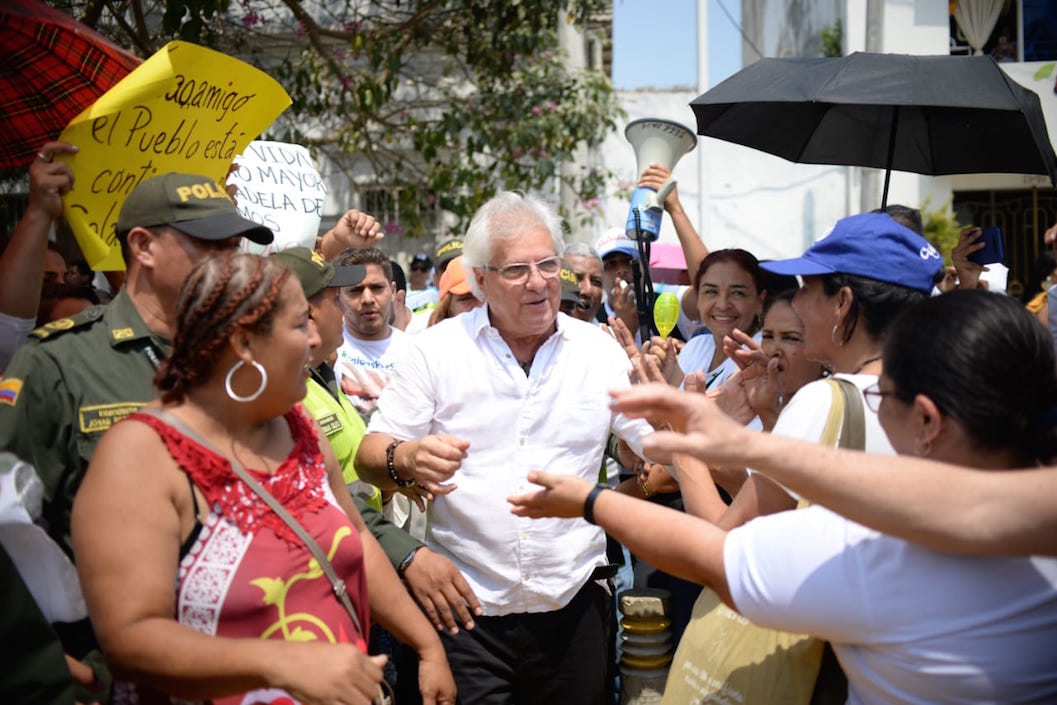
(75, 377)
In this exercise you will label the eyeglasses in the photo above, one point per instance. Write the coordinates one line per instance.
(873, 396)
(519, 272)
(419, 268)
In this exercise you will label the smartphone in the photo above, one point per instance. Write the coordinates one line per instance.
(992, 251)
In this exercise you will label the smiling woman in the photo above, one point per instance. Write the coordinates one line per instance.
(730, 296)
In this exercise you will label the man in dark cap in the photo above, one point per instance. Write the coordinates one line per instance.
(75, 377)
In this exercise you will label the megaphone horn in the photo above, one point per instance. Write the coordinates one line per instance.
(659, 141)
(655, 141)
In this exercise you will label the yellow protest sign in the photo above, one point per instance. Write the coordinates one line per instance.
(186, 109)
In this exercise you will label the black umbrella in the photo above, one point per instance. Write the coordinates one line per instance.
(923, 114)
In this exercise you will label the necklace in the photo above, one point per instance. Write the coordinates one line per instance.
(865, 363)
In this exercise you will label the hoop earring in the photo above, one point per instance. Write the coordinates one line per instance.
(833, 336)
(926, 449)
(250, 397)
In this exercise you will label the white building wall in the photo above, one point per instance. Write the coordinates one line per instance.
(762, 203)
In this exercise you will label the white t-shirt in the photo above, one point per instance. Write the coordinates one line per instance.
(419, 321)
(420, 298)
(377, 356)
(804, 417)
(908, 624)
(459, 377)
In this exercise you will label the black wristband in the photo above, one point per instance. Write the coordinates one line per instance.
(589, 503)
(390, 454)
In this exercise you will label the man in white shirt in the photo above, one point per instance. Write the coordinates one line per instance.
(372, 346)
(478, 401)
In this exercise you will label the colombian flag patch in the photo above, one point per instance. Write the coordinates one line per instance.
(9, 389)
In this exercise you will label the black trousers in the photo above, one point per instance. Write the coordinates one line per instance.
(544, 658)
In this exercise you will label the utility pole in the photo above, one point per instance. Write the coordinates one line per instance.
(869, 193)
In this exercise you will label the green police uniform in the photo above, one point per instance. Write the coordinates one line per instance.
(344, 428)
(72, 380)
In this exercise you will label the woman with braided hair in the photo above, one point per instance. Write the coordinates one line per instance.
(196, 588)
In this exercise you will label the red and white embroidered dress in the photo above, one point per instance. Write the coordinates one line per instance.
(248, 575)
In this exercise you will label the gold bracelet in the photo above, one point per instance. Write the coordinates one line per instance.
(647, 488)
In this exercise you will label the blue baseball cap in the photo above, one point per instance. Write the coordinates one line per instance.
(869, 245)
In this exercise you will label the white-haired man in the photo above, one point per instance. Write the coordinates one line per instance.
(478, 402)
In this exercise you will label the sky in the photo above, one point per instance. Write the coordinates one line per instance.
(654, 42)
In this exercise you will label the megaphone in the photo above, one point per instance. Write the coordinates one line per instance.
(661, 142)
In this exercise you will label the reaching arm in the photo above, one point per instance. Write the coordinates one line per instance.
(945, 507)
(22, 263)
(941, 506)
(675, 542)
(694, 250)
(353, 229)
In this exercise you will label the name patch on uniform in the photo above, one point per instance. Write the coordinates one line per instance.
(122, 333)
(9, 389)
(330, 424)
(96, 419)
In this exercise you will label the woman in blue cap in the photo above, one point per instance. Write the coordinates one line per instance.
(856, 280)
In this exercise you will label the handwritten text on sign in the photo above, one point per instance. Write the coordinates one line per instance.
(185, 109)
(280, 188)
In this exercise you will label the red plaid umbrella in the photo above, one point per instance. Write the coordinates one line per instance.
(51, 68)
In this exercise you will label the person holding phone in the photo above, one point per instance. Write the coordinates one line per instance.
(977, 247)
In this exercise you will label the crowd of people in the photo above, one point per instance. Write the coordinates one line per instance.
(246, 474)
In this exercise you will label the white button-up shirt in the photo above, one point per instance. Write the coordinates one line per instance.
(460, 378)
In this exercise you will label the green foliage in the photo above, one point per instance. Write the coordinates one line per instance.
(448, 101)
(832, 40)
(941, 227)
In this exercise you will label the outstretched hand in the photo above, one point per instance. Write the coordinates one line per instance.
(701, 428)
(561, 496)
